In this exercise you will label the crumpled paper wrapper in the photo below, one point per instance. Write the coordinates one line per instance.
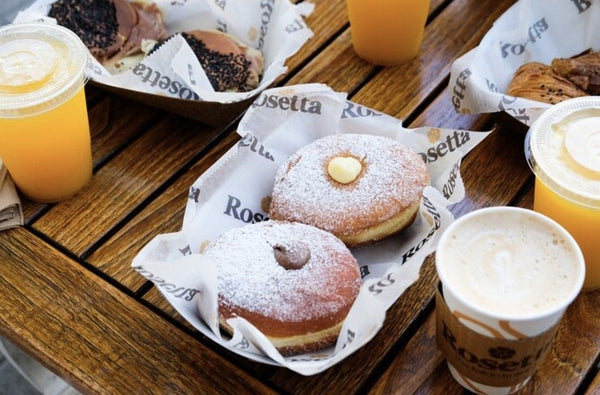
(11, 211)
(531, 30)
(172, 78)
(231, 194)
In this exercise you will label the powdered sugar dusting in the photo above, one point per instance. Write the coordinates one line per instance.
(249, 276)
(392, 178)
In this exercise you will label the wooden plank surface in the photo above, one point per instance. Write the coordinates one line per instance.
(145, 162)
(452, 33)
(594, 388)
(328, 18)
(163, 215)
(123, 183)
(114, 122)
(338, 66)
(46, 295)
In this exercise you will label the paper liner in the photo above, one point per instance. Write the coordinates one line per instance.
(530, 30)
(233, 191)
(171, 78)
(492, 361)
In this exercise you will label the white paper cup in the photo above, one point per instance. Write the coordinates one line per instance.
(508, 275)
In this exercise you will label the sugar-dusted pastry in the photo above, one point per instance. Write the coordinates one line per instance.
(537, 81)
(293, 282)
(361, 188)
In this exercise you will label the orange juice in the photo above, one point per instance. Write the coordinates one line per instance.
(583, 223)
(387, 32)
(44, 130)
(563, 149)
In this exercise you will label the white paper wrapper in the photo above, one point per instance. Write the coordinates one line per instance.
(276, 27)
(531, 30)
(230, 194)
(11, 211)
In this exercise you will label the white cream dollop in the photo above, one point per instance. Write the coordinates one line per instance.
(344, 169)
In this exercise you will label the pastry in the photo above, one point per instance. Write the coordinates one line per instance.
(293, 282)
(537, 81)
(113, 30)
(230, 65)
(361, 188)
(583, 70)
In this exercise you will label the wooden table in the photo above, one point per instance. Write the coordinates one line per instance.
(69, 297)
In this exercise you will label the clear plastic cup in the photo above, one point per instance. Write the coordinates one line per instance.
(563, 150)
(387, 32)
(44, 130)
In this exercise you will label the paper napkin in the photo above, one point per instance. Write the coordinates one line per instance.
(11, 213)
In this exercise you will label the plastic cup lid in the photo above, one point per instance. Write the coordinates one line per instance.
(41, 66)
(563, 149)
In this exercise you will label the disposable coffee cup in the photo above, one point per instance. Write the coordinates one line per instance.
(507, 276)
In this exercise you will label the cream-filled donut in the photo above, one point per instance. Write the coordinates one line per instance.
(361, 188)
(293, 282)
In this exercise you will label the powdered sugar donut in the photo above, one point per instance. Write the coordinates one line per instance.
(294, 282)
(361, 188)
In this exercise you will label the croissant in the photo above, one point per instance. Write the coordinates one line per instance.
(540, 82)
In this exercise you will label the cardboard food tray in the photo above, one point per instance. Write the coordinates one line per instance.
(270, 133)
(209, 113)
(529, 31)
(276, 28)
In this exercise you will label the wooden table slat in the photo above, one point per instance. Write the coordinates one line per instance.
(594, 388)
(113, 335)
(123, 183)
(114, 121)
(163, 215)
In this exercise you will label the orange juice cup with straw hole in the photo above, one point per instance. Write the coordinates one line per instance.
(387, 32)
(44, 130)
(563, 150)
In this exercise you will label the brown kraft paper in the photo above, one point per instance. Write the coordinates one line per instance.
(492, 361)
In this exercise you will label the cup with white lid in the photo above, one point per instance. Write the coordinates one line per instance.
(44, 131)
(563, 150)
(507, 276)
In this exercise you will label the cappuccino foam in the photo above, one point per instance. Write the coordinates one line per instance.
(510, 264)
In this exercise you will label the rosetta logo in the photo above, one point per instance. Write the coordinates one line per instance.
(502, 352)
